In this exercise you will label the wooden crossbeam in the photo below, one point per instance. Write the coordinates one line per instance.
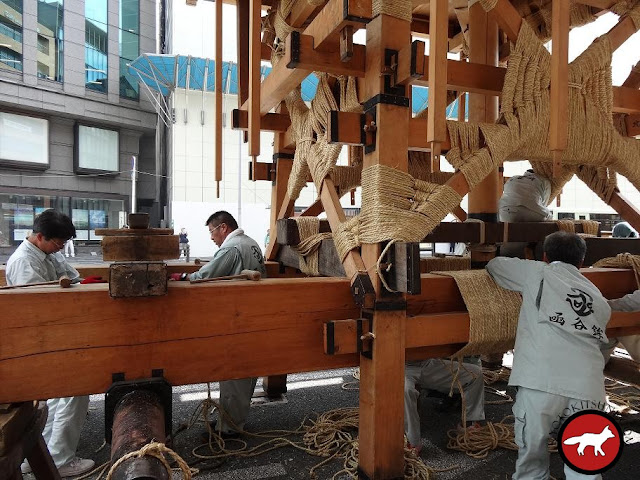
(633, 80)
(329, 264)
(440, 330)
(346, 128)
(626, 209)
(626, 100)
(336, 15)
(301, 54)
(302, 10)
(255, 48)
(85, 336)
(218, 98)
(270, 122)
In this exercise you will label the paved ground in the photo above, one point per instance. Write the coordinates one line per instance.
(313, 393)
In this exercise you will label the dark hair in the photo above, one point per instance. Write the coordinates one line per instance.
(222, 217)
(565, 247)
(54, 224)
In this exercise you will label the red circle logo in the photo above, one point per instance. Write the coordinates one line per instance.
(590, 442)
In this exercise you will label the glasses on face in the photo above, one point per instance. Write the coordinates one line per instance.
(57, 243)
(211, 230)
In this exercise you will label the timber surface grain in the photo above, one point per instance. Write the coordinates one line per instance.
(70, 341)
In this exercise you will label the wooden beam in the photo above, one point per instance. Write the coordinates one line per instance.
(263, 171)
(301, 12)
(85, 336)
(270, 122)
(603, 4)
(345, 128)
(633, 80)
(133, 248)
(337, 14)
(440, 329)
(242, 28)
(255, 48)
(329, 264)
(301, 54)
(626, 209)
(559, 94)
(621, 32)
(508, 19)
(438, 46)
(626, 100)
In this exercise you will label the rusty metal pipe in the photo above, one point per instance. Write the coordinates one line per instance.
(138, 420)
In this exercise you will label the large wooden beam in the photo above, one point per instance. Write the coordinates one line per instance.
(559, 91)
(254, 105)
(633, 80)
(335, 15)
(303, 55)
(626, 100)
(71, 341)
(270, 122)
(218, 97)
(626, 209)
(633, 125)
(441, 330)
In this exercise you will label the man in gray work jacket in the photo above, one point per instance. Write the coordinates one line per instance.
(237, 252)
(38, 259)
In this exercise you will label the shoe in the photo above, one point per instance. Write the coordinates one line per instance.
(73, 254)
(25, 467)
(76, 467)
(416, 449)
(66, 255)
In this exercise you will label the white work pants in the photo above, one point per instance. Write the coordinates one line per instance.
(62, 431)
(537, 414)
(69, 248)
(436, 374)
(235, 399)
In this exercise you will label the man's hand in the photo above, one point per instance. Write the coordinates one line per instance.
(178, 276)
(93, 279)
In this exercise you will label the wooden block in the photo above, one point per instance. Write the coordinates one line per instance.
(329, 263)
(138, 248)
(600, 247)
(13, 424)
(137, 279)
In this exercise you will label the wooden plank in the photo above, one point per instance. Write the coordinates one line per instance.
(329, 264)
(508, 19)
(444, 329)
(218, 100)
(131, 248)
(263, 171)
(301, 54)
(346, 127)
(288, 233)
(133, 231)
(411, 63)
(85, 336)
(242, 29)
(302, 10)
(621, 32)
(254, 107)
(438, 46)
(603, 4)
(270, 122)
(559, 94)
(604, 247)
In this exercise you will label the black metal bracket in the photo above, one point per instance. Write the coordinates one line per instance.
(386, 99)
(401, 268)
(121, 387)
(390, 305)
(294, 51)
(331, 338)
(367, 353)
(362, 290)
(413, 67)
(368, 129)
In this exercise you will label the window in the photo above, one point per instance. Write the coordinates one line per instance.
(129, 38)
(95, 45)
(96, 149)
(24, 140)
(11, 35)
(50, 45)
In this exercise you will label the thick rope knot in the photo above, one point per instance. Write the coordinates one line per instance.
(156, 450)
(310, 241)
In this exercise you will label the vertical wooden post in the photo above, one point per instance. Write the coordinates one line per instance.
(283, 167)
(218, 93)
(382, 375)
(438, 46)
(255, 48)
(483, 48)
(558, 124)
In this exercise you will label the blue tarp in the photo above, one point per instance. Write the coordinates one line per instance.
(164, 73)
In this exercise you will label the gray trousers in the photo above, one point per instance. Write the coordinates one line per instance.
(235, 399)
(62, 431)
(435, 374)
(537, 414)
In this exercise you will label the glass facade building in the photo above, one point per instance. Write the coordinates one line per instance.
(129, 40)
(50, 39)
(95, 45)
(11, 35)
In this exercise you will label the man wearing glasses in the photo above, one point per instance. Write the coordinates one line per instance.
(38, 259)
(237, 252)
